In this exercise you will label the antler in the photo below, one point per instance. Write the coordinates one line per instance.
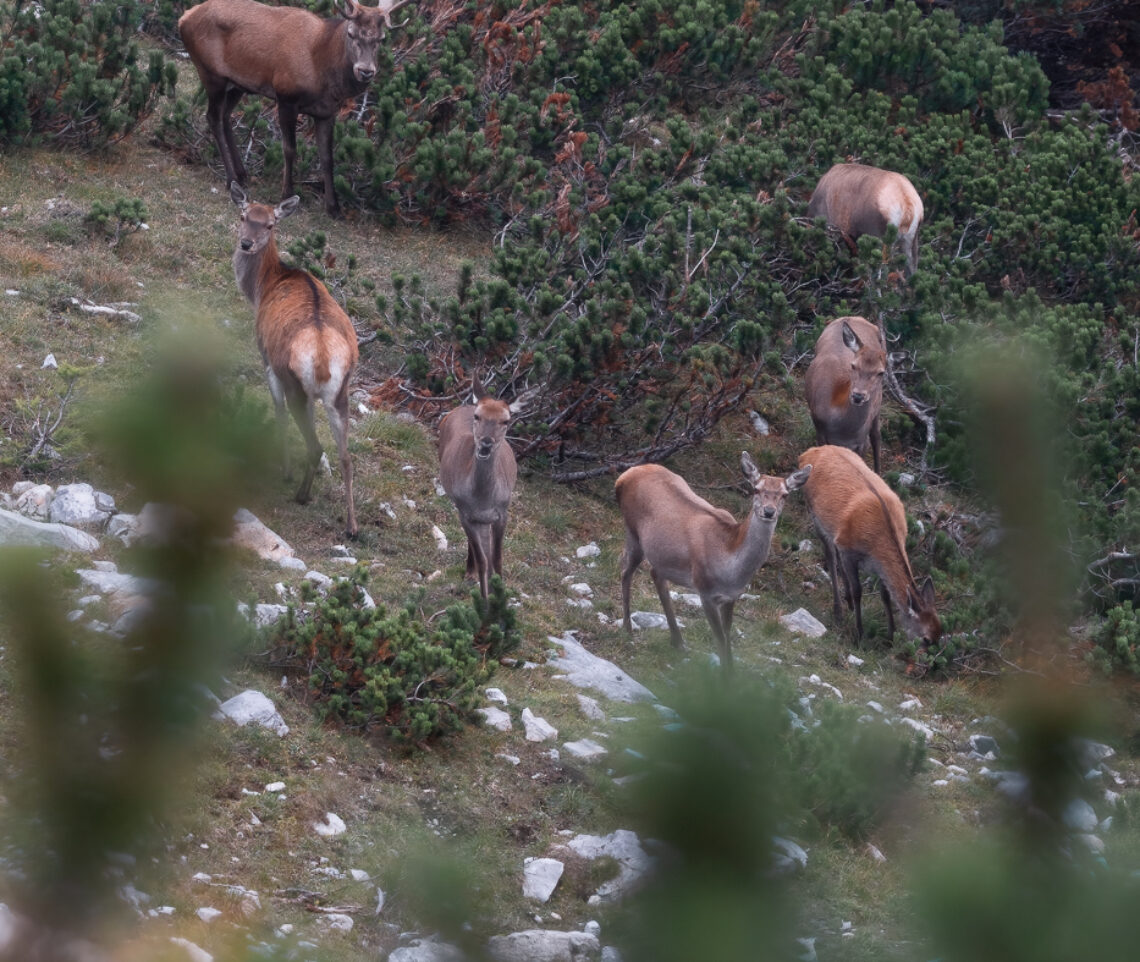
(387, 9)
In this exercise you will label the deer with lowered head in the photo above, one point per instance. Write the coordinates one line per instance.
(691, 543)
(308, 64)
(857, 200)
(861, 522)
(478, 471)
(306, 340)
(844, 385)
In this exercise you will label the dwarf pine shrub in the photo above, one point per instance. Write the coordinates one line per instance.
(375, 670)
(73, 72)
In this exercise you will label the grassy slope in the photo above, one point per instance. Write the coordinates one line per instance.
(494, 814)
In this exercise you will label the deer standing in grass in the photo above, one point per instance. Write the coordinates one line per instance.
(478, 471)
(857, 199)
(309, 65)
(844, 385)
(690, 542)
(306, 340)
(861, 521)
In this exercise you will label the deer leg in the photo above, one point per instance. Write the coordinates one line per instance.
(217, 119)
(886, 596)
(301, 407)
(338, 421)
(324, 131)
(287, 120)
(498, 529)
(277, 391)
(854, 591)
(631, 557)
(667, 604)
(832, 565)
(715, 613)
(234, 164)
(478, 560)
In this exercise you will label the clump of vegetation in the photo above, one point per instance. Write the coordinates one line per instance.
(116, 220)
(70, 71)
(1117, 640)
(397, 673)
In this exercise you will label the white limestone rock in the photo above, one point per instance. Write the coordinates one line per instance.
(20, 530)
(495, 718)
(332, 826)
(803, 622)
(427, 950)
(624, 847)
(35, 502)
(537, 729)
(585, 750)
(250, 533)
(543, 945)
(540, 878)
(253, 707)
(82, 506)
(584, 669)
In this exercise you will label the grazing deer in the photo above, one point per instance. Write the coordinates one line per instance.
(858, 200)
(309, 65)
(478, 471)
(689, 542)
(862, 521)
(844, 385)
(306, 340)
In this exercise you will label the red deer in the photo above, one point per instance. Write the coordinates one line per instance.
(862, 521)
(689, 542)
(844, 385)
(478, 471)
(309, 65)
(858, 200)
(306, 340)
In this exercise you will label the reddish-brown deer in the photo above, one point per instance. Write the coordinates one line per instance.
(307, 341)
(844, 385)
(478, 471)
(309, 65)
(861, 521)
(857, 199)
(689, 542)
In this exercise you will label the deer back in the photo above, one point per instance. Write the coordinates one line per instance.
(858, 199)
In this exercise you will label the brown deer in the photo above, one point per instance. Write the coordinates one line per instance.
(306, 340)
(857, 199)
(844, 385)
(478, 471)
(689, 542)
(861, 521)
(309, 65)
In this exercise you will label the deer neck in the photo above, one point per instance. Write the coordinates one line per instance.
(748, 549)
(254, 272)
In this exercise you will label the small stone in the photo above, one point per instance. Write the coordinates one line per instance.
(802, 622)
(855, 661)
(590, 708)
(585, 749)
(787, 856)
(253, 706)
(1080, 816)
(275, 787)
(590, 550)
(582, 589)
(49, 362)
(495, 695)
(337, 922)
(985, 745)
(440, 537)
(540, 877)
(648, 619)
(495, 718)
(359, 875)
(208, 913)
(332, 826)
(759, 423)
(537, 729)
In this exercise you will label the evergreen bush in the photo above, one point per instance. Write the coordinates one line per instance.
(372, 670)
(72, 72)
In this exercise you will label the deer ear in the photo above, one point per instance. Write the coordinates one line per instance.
(850, 339)
(237, 195)
(748, 466)
(797, 479)
(348, 9)
(287, 206)
(477, 388)
(926, 592)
